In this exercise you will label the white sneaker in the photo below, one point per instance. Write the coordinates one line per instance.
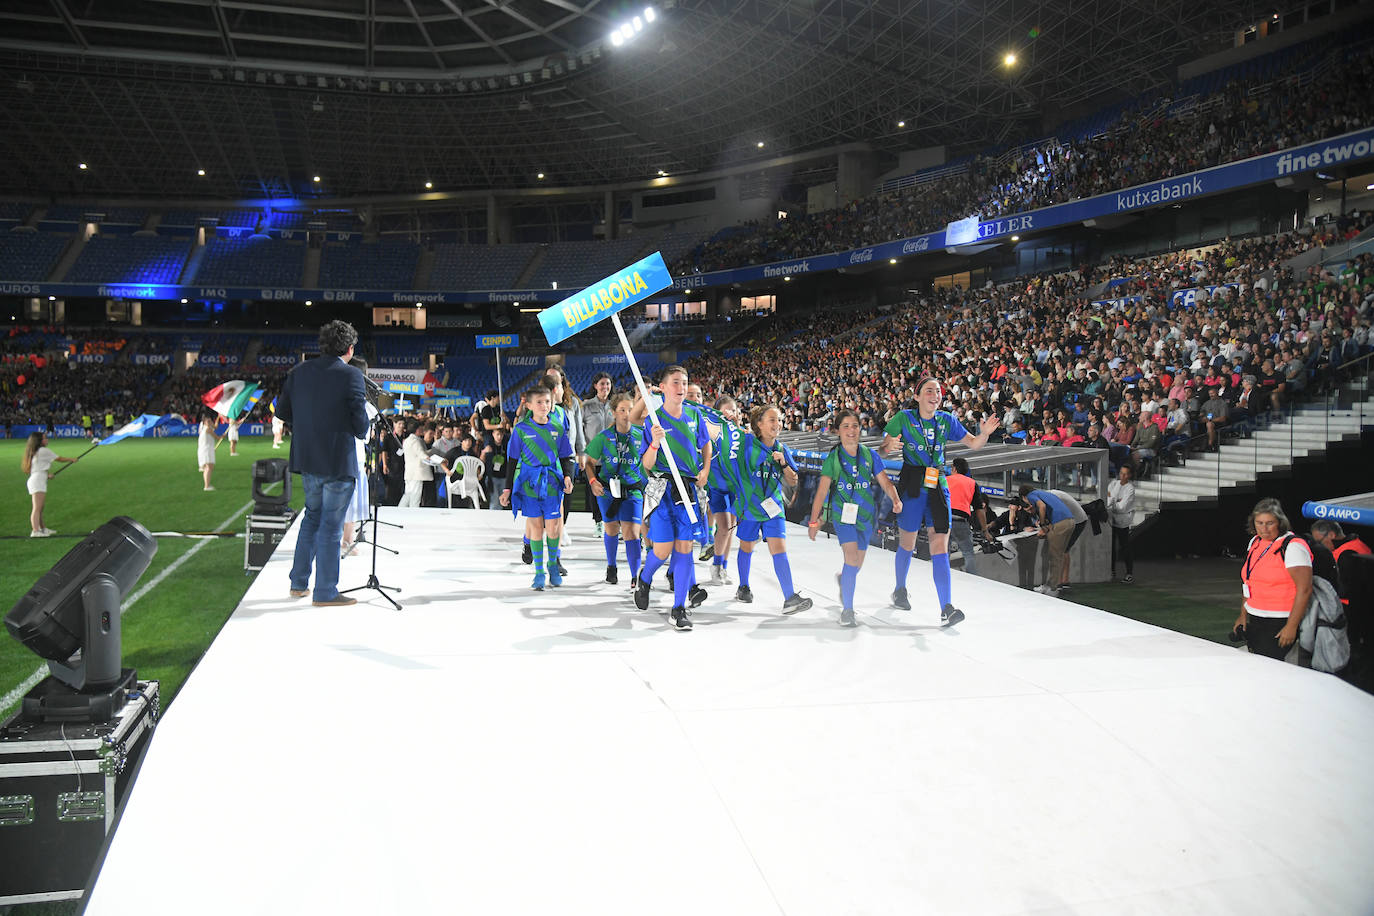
(1047, 590)
(208, 489)
(41, 533)
(718, 575)
(48, 531)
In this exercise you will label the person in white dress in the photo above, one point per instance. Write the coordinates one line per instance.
(37, 463)
(233, 434)
(205, 446)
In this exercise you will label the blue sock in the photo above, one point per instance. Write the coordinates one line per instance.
(612, 543)
(903, 565)
(682, 578)
(849, 577)
(940, 562)
(783, 569)
(719, 560)
(744, 558)
(632, 556)
(651, 566)
(527, 540)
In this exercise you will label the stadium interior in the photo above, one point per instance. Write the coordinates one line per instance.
(1139, 235)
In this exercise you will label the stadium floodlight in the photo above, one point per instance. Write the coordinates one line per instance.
(1009, 59)
(901, 124)
(540, 176)
(429, 185)
(75, 608)
(649, 14)
(637, 23)
(616, 39)
(627, 31)
(759, 144)
(81, 166)
(316, 179)
(200, 172)
(1016, 238)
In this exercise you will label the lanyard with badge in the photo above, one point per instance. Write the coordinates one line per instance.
(849, 512)
(1250, 562)
(768, 476)
(622, 461)
(932, 475)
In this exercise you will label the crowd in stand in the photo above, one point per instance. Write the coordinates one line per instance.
(1232, 125)
(60, 392)
(1138, 368)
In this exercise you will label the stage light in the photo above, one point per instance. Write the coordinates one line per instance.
(74, 607)
(200, 172)
(901, 124)
(1369, 187)
(892, 260)
(1016, 238)
(316, 179)
(52, 298)
(81, 166)
(540, 176)
(429, 185)
(1009, 60)
(183, 301)
(309, 302)
(268, 472)
(760, 144)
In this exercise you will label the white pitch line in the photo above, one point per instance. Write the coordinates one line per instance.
(32, 680)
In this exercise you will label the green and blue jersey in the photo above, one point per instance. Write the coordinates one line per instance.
(619, 455)
(853, 476)
(923, 441)
(686, 436)
(756, 476)
(538, 450)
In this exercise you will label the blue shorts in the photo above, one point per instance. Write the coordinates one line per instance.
(631, 507)
(928, 509)
(550, 506)
(720, 500)
(748, 530)
(669, 522)
(851, 534)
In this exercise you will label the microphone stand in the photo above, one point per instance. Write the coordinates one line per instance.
(373, 498)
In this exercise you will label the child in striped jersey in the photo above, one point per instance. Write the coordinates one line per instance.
(670, 526)
(552, 381)
(759, 470)
(539, 454)
(852, 469)
(719, 500)
(617, 481)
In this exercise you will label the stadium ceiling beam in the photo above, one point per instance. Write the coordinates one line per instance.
(586, 11)
(65, 15)
(424, 33)
(223, 25)
(510, 10)
(371, 37)
(468, 21)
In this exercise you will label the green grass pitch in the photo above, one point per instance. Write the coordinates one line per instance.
(156, 483)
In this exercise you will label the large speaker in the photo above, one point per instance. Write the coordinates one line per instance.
(266, 472)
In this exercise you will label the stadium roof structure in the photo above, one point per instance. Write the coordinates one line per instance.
(380, 96)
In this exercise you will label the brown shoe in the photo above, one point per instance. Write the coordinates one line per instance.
(299, 592)
(341, 601)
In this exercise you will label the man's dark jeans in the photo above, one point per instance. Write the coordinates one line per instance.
(317, 542)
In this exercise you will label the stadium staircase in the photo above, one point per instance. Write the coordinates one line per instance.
(310, 278)
(637, 334)
(423, 268)
(1309, 430)
(193, 261)
(69, 256)
(532, 267)
(250, 353)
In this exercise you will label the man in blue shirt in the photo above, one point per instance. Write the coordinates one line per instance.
(1056, 526)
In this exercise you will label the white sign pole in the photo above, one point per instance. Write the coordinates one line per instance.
(687, 500)
(500, 391)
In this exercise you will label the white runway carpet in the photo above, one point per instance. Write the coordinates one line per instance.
(490, 749)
